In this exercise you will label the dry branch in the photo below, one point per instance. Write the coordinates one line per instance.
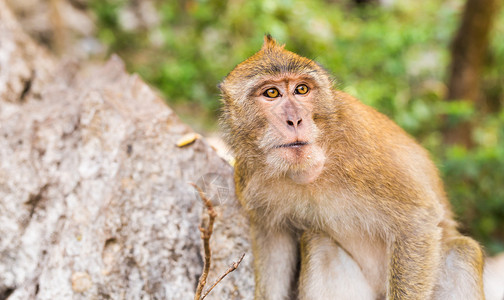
(233, 267)
(206, 233)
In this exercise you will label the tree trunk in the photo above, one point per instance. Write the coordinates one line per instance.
(366, 2)
(95, 201)
(468, 54)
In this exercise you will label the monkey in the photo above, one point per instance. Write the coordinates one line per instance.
(342, 202)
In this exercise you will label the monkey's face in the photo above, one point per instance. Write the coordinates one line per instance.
(289, 139)
(270, 101)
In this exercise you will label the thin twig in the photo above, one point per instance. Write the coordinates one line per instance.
(233, 267)
(206, 233)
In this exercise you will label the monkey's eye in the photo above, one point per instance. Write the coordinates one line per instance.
(271, 93)
(301, 89)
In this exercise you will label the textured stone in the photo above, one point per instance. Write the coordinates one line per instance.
(95, 201)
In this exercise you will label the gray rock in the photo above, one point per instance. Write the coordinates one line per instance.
(94, 194)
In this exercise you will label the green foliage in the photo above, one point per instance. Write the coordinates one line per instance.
(474, 180)
(393, 58)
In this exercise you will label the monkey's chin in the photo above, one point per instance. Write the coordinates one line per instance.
(304, 164)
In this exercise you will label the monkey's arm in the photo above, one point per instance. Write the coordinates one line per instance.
(414, 264)
(275, 257)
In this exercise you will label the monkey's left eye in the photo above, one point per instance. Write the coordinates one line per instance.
(302, 89)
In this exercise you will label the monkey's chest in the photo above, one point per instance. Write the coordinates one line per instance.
(369, 252)
(356, 230)
(314, 211)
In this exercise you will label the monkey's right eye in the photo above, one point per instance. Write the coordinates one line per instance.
(271, 93)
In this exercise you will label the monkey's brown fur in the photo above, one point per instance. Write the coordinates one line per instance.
(357, 179)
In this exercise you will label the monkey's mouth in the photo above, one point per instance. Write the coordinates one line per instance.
(296, 144)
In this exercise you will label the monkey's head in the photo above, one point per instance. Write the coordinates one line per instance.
(272, 104)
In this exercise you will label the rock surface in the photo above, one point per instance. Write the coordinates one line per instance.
(95, 201)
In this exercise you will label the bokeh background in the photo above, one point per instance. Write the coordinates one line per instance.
(435, 67)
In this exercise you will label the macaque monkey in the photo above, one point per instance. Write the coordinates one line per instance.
(317, 168)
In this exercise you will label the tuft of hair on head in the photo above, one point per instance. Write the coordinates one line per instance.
(270, 43)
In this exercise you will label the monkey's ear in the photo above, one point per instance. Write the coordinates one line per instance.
(269, 42)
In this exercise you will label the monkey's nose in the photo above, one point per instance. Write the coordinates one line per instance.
(292, 123)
